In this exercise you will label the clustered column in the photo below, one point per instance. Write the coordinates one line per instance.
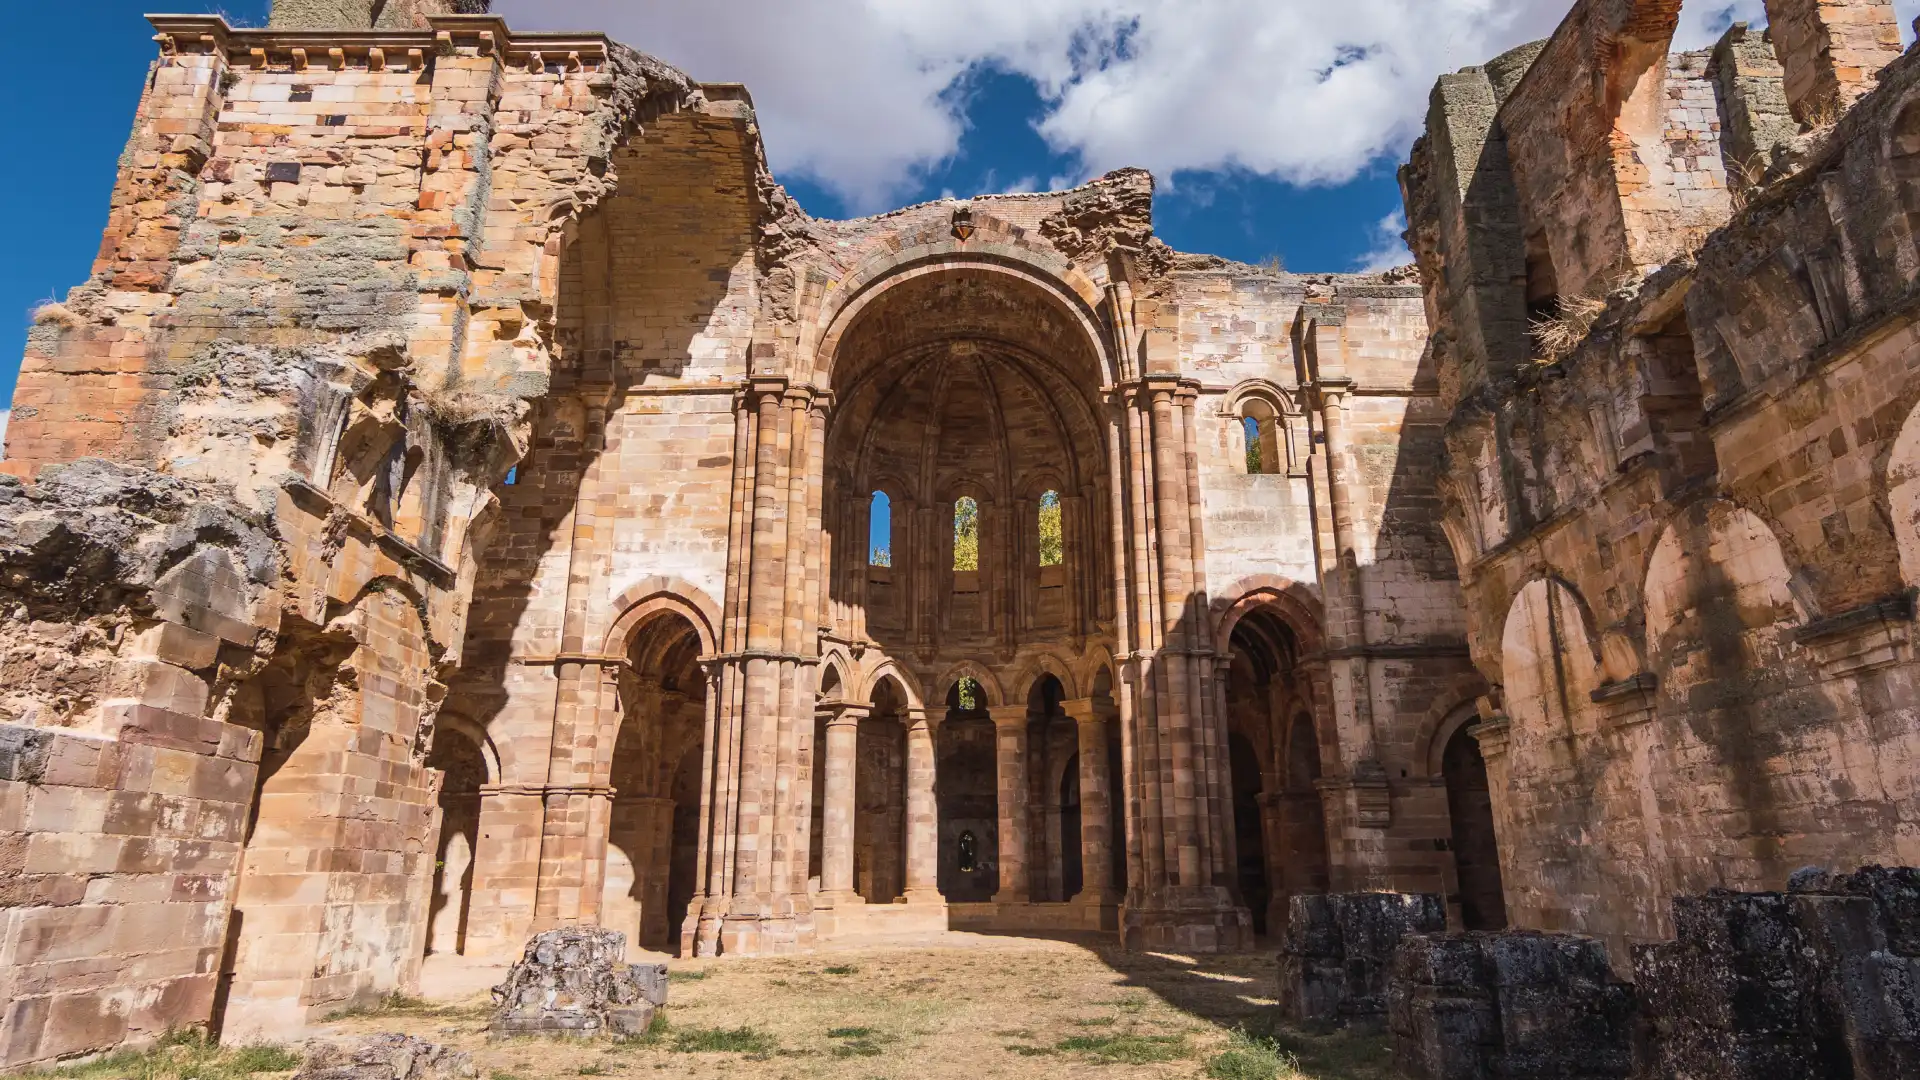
(1181, 887)
(836, 831)
(756, 814)
(923, 815)
(1010, 749)
(1096, 808)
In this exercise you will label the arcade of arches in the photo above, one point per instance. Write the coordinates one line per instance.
(962, 666)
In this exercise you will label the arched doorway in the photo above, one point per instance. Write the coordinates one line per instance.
(652, 834)
(880, 798)
(1302, 818)
(968, 799)
(463, 766)
(1476, 855)
(1274, 763)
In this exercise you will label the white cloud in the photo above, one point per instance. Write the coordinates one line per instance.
(851, 92)
(1389, 249)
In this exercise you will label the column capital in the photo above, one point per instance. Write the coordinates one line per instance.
(1008, 715)
(1082, 710)
(918, 716)
(844, 713)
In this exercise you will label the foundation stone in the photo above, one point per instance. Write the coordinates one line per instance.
(1339, 951)
(1510, 1004)
(572, 982)
(385, 1057)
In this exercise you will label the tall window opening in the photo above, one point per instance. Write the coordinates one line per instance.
(880, 531)
(1261, 426)
(1052, 540)
(966, 534)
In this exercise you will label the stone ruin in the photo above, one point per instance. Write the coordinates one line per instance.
(1508, 1004)
(572, 982)
(1820, 981)
(1339, 952)
(386, 1056)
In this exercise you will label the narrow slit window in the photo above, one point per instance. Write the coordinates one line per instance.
(1052, 539)
(880, 531)
(966, 534)
(1251, 424)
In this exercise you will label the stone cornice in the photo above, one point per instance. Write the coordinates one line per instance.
(266, 48)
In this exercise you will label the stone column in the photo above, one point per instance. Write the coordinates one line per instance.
(1010, 747)
(836, 827)
(923, 813)
(1096, 813)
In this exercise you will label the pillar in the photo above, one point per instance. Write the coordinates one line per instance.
(1010, 748)
(923, 813)
(836, 819)
(1831, 50)
(1096, 813)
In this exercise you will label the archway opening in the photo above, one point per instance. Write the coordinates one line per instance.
(463, 767)
(880, 794)
(653, 828)
(1248, 835)
(967, 796)
(1274, 761)
(1476, 855)
(1052, 777)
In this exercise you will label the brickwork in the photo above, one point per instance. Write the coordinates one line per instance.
(517, 440)
(1681, 526)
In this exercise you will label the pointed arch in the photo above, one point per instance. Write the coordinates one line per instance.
(989, 683)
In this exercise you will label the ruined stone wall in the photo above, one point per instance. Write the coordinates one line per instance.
(1679, 528)
(319, 307)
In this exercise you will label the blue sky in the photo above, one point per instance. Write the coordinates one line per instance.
(1274, 126)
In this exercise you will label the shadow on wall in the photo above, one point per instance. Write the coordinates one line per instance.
(635, 299)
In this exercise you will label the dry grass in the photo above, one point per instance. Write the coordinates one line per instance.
(54, 313)
(1555, 337)
(971, 1008)
(180, 1056)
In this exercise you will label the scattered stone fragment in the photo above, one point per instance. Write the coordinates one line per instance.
(573, 982)
(387, 1056)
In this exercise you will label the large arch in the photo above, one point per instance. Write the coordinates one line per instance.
(1266, 629)
(653, 823)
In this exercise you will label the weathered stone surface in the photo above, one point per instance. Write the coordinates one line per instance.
(1339, 952)
(384, 1057)
(575, 982)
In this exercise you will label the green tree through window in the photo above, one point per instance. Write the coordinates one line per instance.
(966, 534)
(1052, 540)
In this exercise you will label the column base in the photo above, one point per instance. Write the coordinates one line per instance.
(1201, 919)
(761, 935)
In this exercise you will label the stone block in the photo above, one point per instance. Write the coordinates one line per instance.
(1338, 956)
(385, 1057)
(573, 982)
(1862, 934)
(1734, 995)
(1513, 1004)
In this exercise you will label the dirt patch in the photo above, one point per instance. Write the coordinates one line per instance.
(984, 1009)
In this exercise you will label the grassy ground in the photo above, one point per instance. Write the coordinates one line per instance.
(978, 1008)
(990, 1008)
